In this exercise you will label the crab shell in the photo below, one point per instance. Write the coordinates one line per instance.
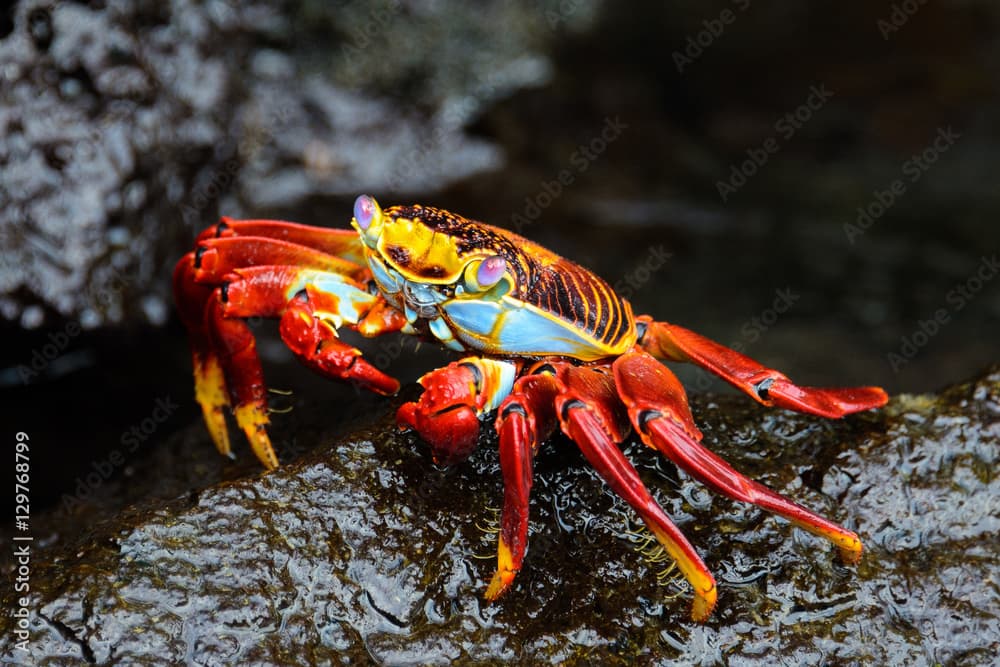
(426, 261)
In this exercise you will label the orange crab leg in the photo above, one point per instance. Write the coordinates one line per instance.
(765, 385)
(240, 364)
(589, 413)
(343, 243)
(447, 413)
(525, 418)
(658, 408)
(209, 380)
(214, 258)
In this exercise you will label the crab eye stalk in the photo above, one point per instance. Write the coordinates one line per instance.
(481, 276)
(368, 217)
(364, 210)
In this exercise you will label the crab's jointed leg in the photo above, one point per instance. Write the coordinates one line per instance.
(209, 380)
(229, 277)
(591, 414)
(658, 408)
(525, 418)
(765, 385)
(342, 243)
(447, 414)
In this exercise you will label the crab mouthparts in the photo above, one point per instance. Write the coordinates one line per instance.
(421, 299)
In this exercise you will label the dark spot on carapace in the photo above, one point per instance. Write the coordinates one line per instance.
(398, 254)
(434, 271)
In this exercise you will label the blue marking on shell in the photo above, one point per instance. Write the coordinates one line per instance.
(512, 327)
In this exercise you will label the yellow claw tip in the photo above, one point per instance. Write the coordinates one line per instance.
(851, 554)
(501, 581)
(704, 603)
(252, 418)
(505, 573)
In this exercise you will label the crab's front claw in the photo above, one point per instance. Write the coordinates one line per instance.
(455, 397)
(451, 433)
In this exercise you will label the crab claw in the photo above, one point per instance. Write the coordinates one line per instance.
(453, 430)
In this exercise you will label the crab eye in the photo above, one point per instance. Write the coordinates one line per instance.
(490, 271)
(364, 210)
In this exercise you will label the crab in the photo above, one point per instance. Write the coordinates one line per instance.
(548, 344)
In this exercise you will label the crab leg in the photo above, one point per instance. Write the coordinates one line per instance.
(526, 418)
(311, 335)
(343, 243)
(447, 414)
(240, 364)
(765, 385)
(658, 409)
(209, 380)
(311, 303)
(215, 258)
(589, 413)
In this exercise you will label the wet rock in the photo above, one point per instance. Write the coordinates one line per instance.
(124, 125)
(360, 549)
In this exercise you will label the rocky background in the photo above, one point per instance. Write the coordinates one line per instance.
(813, 185)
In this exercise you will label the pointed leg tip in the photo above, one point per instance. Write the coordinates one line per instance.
(850, 554)
(253, 419)
(499, 585)
(505, 573)
(704, 603)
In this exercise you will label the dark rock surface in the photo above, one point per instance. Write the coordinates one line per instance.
(123, 125)
(359, 549)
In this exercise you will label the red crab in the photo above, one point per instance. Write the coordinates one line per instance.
(551, 346)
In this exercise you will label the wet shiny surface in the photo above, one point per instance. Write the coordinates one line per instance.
(362, 549)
